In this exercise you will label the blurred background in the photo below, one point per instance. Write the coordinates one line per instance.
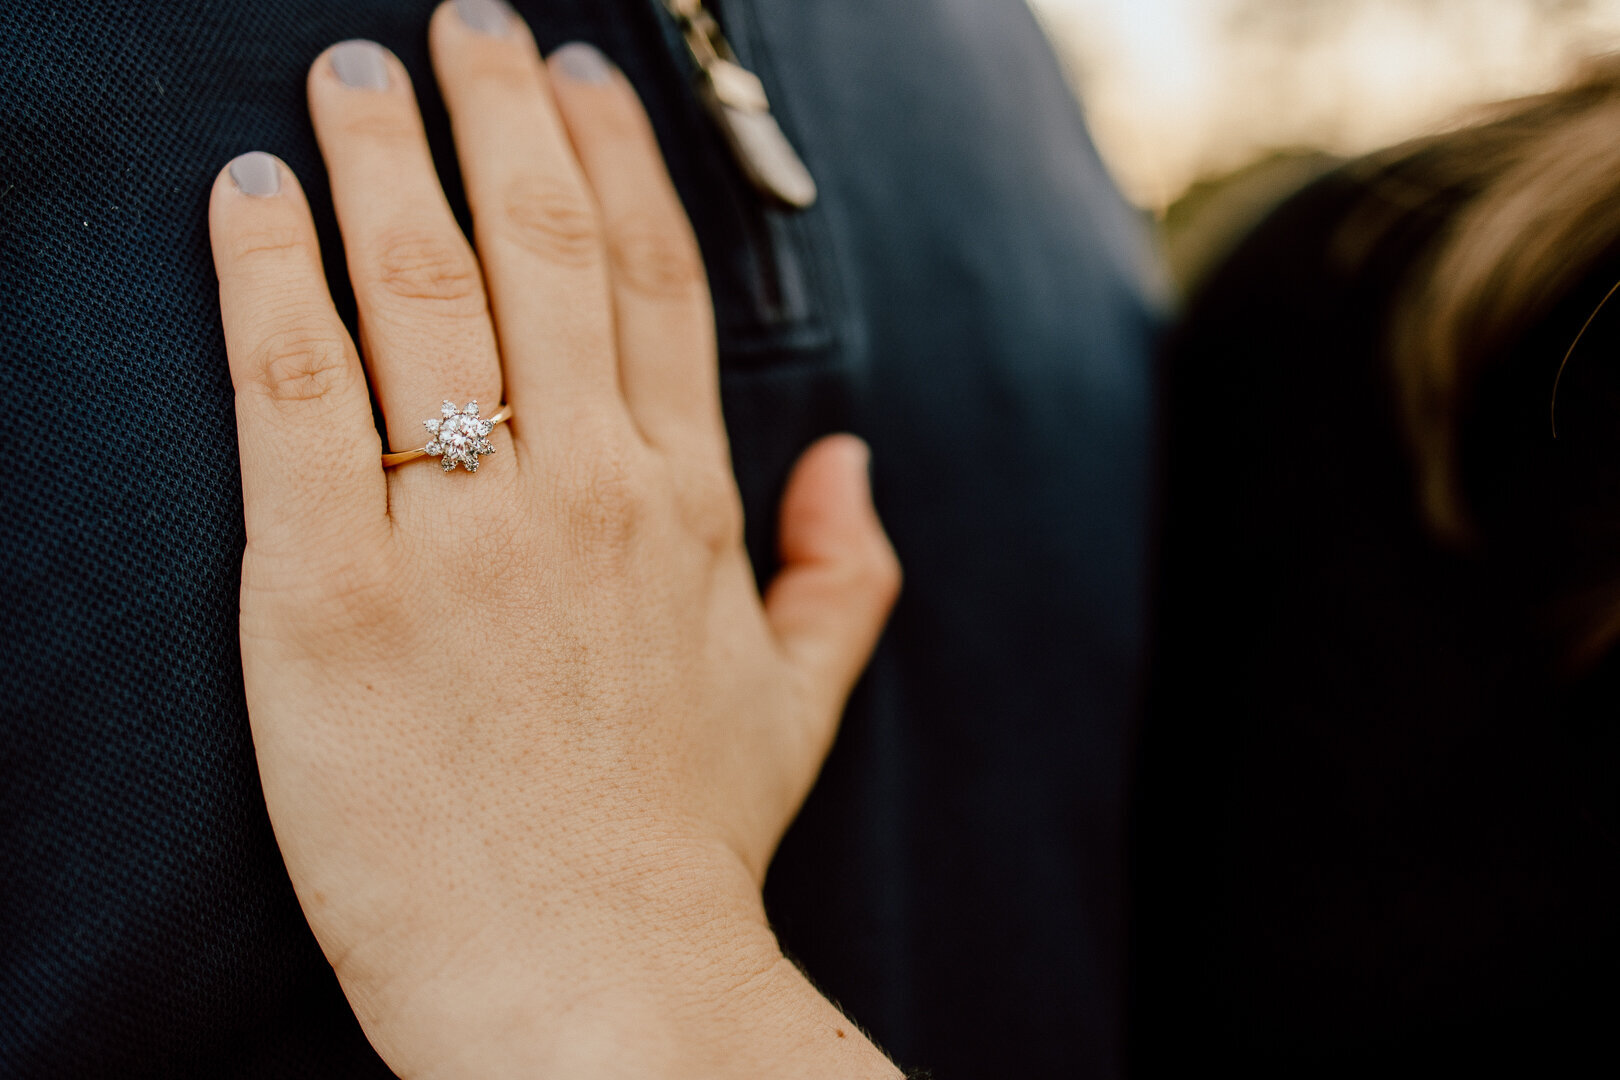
(1208, 111)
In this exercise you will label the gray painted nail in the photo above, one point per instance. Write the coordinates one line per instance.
(256, 173)
(361, 64)
(485, 16)
(583, 63)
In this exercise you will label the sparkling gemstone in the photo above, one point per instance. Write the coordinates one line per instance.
(459, 437)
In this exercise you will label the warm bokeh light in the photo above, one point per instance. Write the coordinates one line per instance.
(1179, 90)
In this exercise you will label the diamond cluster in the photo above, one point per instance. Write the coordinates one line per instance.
(459, 436)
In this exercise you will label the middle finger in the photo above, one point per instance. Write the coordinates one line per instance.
(424, 322)
(538, 229)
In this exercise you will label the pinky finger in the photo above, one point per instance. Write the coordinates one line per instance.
(310, 453)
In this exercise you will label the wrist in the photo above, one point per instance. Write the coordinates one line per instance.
(770, 1022)
(667, 973)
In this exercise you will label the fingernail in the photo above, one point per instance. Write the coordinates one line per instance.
(583, 63)
(256, 174)
(485, 16)
(361, 64)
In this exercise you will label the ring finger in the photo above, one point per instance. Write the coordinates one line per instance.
(424, 322)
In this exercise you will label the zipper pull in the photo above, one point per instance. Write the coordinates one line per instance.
(736, 99)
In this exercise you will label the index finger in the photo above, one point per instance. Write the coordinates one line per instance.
(536, 226)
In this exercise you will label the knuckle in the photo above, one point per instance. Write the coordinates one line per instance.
(361, 596)
(552, 222)
(622, 121)
(414, 265)
(511, 74)
(299, 363)
(251, 246)
(608, 499)
(657, 260)
(881, 571)
(325, 595)
(383, 123)
(713, 512)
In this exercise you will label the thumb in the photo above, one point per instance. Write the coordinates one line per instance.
(839, 575)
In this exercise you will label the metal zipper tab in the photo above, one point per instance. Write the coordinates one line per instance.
(736, 99)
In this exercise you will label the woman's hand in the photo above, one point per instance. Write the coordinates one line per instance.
(528, 737)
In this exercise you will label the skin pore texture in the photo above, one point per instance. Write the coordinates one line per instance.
(529, 737)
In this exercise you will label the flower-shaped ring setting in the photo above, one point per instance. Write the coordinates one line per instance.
(456, 437)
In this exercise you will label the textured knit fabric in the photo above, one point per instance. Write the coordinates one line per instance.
(968, 294)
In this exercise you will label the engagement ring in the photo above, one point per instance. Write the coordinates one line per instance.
(458, 437)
